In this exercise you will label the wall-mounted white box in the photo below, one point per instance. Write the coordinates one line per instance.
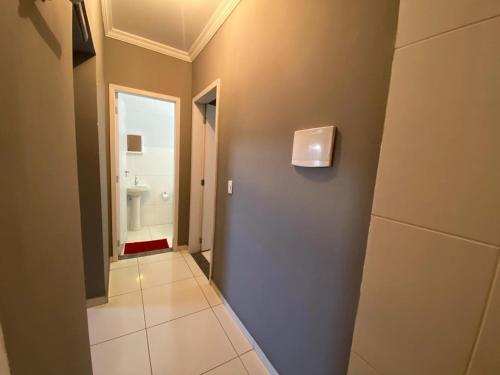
(313, 147)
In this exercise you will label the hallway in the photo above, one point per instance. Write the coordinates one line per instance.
(163, 317)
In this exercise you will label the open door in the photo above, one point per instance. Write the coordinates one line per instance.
(208, 187)
(131, 168)
(204, 176)
(120, 186)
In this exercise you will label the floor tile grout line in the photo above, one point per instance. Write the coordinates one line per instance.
(167, 321)
(227, 335)
(145, 324)
(131, 291)
(486, 244)
(174, 257)
(119, 295)
(209, 307)
(179, 317)
(222, 364)
(243, 364)
(248, 351)
(120, 268)
(117, 337)
(183, 316)
(224, 330)
(202, 274)
(449, 31)
(170, 282)
(169, 260)
(203, 292)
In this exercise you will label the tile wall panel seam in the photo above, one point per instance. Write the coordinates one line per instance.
(458, 28)
(368, 363)
(436, 231)
(484, 315)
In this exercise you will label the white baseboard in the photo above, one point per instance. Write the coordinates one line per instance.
(256, 347)
(91, 302)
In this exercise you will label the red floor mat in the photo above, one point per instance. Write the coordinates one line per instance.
(145, 246)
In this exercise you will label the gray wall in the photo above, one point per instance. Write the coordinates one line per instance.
(42, 304)
(430, 297)
(139, 68)
(89, 188)
(290, 242)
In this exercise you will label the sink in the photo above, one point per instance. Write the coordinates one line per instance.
(135, 192)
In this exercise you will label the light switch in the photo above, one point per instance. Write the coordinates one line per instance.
(230, 186)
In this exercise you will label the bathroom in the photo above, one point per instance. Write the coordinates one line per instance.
(146, 153)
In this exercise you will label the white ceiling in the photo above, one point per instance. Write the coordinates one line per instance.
(179, 28)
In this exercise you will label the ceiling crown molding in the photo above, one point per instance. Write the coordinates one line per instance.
(217, 19)
(224, 9)
(148, 44)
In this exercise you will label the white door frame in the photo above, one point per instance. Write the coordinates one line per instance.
(114, 158)
(196, 209)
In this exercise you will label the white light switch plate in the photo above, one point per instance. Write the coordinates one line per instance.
(230, 186)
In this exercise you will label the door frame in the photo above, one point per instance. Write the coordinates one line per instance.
(114, 158)
(196, 210)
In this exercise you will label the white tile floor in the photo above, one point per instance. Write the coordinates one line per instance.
(164, 318)
(150, 233)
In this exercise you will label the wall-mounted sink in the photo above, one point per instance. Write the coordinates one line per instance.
(135, 192)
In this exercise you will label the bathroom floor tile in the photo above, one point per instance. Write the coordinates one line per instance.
(127, 355)
(234, 367)
(158, 273)
(239, 341)
(253, 364)
(190, 345)
(123, 280)
(161, 231)
(120, 316)
(174, 300)
(142, 234)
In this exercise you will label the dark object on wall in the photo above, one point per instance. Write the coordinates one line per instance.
(83, 46)
(134, 143)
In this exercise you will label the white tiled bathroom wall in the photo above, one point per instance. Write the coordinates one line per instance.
(154, 120)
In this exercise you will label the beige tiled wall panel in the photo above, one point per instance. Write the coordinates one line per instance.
(486, 360)
(440, 157)
(419, 19)
(422, 300)
(357, 366)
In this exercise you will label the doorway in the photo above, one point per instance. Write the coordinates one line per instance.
(144, 144)
(205, 130)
